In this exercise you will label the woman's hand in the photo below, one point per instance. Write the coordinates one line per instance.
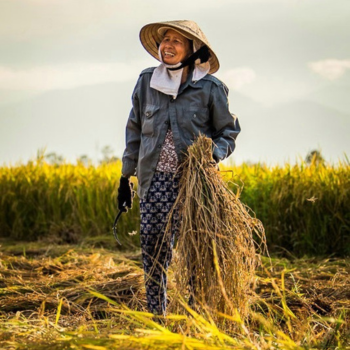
(125, 194)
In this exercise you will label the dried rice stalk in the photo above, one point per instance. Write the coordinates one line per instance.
(216, 257)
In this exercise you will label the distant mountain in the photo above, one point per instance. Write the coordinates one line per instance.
(70, 122)
(83, 120)
(333, 95)
(14, 96)
(295, 128)
(241, 104)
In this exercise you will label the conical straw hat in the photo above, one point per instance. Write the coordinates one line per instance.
(151, 37)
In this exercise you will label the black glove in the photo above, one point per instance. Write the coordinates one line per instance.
(125, 194)
(216, 159)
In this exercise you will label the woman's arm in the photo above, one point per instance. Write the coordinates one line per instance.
(132, 138)
(225, 124)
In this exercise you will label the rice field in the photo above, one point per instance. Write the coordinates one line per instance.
(66, 284)
(304, 207)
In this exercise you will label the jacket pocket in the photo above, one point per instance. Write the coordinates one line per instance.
(195, 118)
(148, 120)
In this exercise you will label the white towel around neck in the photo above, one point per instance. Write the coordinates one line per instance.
(168, 81)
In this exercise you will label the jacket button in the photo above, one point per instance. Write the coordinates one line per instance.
(166, 122)
(194, 115)
(172, 100)
(159, 146)
(148, 114)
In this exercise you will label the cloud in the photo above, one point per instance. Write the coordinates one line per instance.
(331, 69)
(28, 20)
(66, 76)
(238, 77)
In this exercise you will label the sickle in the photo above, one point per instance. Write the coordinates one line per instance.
(115, 231)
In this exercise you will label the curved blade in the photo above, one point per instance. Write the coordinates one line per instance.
(115, 231)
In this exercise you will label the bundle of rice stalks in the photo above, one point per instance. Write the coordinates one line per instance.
(216, 255)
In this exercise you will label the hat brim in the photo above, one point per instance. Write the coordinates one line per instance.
(150, 39)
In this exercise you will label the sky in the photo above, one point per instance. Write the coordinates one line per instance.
(68, 68)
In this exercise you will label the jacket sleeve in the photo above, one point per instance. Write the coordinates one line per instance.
(225, 125)
(132, 137)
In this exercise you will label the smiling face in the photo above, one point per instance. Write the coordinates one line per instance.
(174, 47)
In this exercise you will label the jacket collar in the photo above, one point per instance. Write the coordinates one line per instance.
(189, 82)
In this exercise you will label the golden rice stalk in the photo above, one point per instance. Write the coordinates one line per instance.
(216, 255)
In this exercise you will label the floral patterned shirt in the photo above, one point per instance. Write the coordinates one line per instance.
(168, 158)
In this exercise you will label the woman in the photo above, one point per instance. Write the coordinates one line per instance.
(172, 104)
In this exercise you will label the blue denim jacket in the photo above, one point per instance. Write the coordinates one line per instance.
(201, 107)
